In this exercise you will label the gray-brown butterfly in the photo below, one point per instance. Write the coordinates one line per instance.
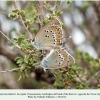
(57, 58)
(49, 36)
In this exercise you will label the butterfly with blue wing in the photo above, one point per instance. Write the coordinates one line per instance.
(57, 58)
(49, 36)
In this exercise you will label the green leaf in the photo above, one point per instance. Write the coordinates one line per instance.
(86, 5)
(63, 25)
(13, 16)
(26, 59)
(35, 17)
(82, 85)
(19, 77)
(59, 13)
(45, 21)
(20, 61)
(17, 58)
(15, 10)
(27, 22)
(98, 87)
(26, 75)
(24, 44)
(23, 66)
(59, 83)
(69, 76)
(74, 80)
(16, 39)
(22, 13)
(30, 47)
(68, 1)
(87, 57)
(97, 60)
(21, 38)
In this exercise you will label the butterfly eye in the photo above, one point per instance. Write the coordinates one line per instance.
(32, 40)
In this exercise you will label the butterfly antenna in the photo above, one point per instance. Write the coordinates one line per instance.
(10, 40)
(67, 38)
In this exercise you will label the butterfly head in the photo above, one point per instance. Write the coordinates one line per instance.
(36, 44)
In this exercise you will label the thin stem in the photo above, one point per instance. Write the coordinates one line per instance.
(39, 6)
(15, 69)
(7, 70)
(36, 64)
(28, 34)
(45, 6)
(10, 40)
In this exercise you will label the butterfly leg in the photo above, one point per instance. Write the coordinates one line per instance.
(64, 43)
(65, 47)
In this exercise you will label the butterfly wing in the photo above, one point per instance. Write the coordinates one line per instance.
(52, 22)
(70, 60)
(51, 61)
(49, 36)
(57, 59)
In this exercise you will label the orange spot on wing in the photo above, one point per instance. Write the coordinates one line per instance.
(63, 53)
(59, 36)
(58, 43)
(59, 32)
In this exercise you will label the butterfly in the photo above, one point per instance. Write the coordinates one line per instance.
(48, 36)
(57, 58)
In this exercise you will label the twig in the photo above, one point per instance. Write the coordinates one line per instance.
(28, 34)
(10, 40)
(15, 69)
(56, 4)
(16, 44)
(7, 70)
(36, 64)
(40, 11)
(47, 8)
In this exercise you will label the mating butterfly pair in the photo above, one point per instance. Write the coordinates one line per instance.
(50, 38)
